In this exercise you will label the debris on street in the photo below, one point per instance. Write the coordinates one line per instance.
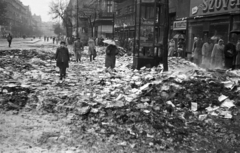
(188, 109)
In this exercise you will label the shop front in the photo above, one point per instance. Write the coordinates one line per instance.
(179, 31)
(213, 20)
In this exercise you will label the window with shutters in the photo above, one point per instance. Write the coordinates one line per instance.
(109, 6)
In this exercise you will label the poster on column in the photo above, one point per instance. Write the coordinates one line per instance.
(206, 7)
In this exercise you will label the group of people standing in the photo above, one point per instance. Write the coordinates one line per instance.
(62, 55)
(78, 49)
(214, 54)
(180, 48)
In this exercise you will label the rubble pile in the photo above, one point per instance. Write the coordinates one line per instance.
(172, 114)
(185, 109)
(14, 97)
(28, 54)
(15, 63)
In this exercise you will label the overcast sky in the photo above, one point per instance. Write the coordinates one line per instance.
(39, 7)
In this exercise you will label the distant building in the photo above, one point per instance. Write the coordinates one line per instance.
(95, 18)
(20, 20)
(47, 29)
(38, 19)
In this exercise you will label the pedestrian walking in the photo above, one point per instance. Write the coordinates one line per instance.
(62, 57)
(130, 47)
(57, 40)
(9, 39)
(96, 41)
(78, 49)
(217, 57)
(206, 53)
(238, 54)
(91, 50)
(230, 54)
(171, 48)
(54, 38)
(111, 52)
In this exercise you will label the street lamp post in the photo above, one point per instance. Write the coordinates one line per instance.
(77, 21)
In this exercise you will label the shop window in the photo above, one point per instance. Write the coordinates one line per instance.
(216, 28)
(220, 30)
(236, 23)
(147, 12)
(195, 30)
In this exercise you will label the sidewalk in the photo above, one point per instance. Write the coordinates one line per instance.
(32, 41)
(18, 41)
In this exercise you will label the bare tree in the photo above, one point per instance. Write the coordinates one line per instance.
(92, 10)
(59, 9)
(88, 9)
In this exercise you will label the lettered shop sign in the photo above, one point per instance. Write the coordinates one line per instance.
(205, 7)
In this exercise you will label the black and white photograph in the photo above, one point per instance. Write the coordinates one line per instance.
(119, 76)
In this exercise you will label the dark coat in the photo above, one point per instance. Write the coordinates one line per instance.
(9, 38)
(110, 59)
(230, 55)
(62, 57)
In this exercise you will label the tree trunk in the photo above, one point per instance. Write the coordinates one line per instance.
(165, 37)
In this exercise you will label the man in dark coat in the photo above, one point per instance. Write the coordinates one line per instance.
(230, 55)
(111, 52)
(62, 57)
(9, 39)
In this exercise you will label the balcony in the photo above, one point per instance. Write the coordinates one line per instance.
(104, 15)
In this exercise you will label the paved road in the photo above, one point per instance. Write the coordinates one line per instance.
(19, 43)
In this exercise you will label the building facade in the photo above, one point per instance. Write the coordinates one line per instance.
(103, 18)
(77, 24)
(219, 19)
(95, 18)
(20, 19)
(124, 21)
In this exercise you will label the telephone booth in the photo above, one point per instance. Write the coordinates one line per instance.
(149, 32)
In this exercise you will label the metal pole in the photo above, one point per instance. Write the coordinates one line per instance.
(77, 21)
(113, 25)
(165, 37)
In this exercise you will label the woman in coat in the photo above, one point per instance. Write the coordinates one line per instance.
(171, 49)
(62, 57)
(197, 53)
(217, 57)
(110, 59)
(206, 53)
(238, 54)
(91, 50)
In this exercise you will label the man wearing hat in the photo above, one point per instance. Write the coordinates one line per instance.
(62, 57)
(78, 48)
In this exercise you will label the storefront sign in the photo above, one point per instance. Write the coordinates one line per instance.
(205, 7)
(180, 25)
(148, 1)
